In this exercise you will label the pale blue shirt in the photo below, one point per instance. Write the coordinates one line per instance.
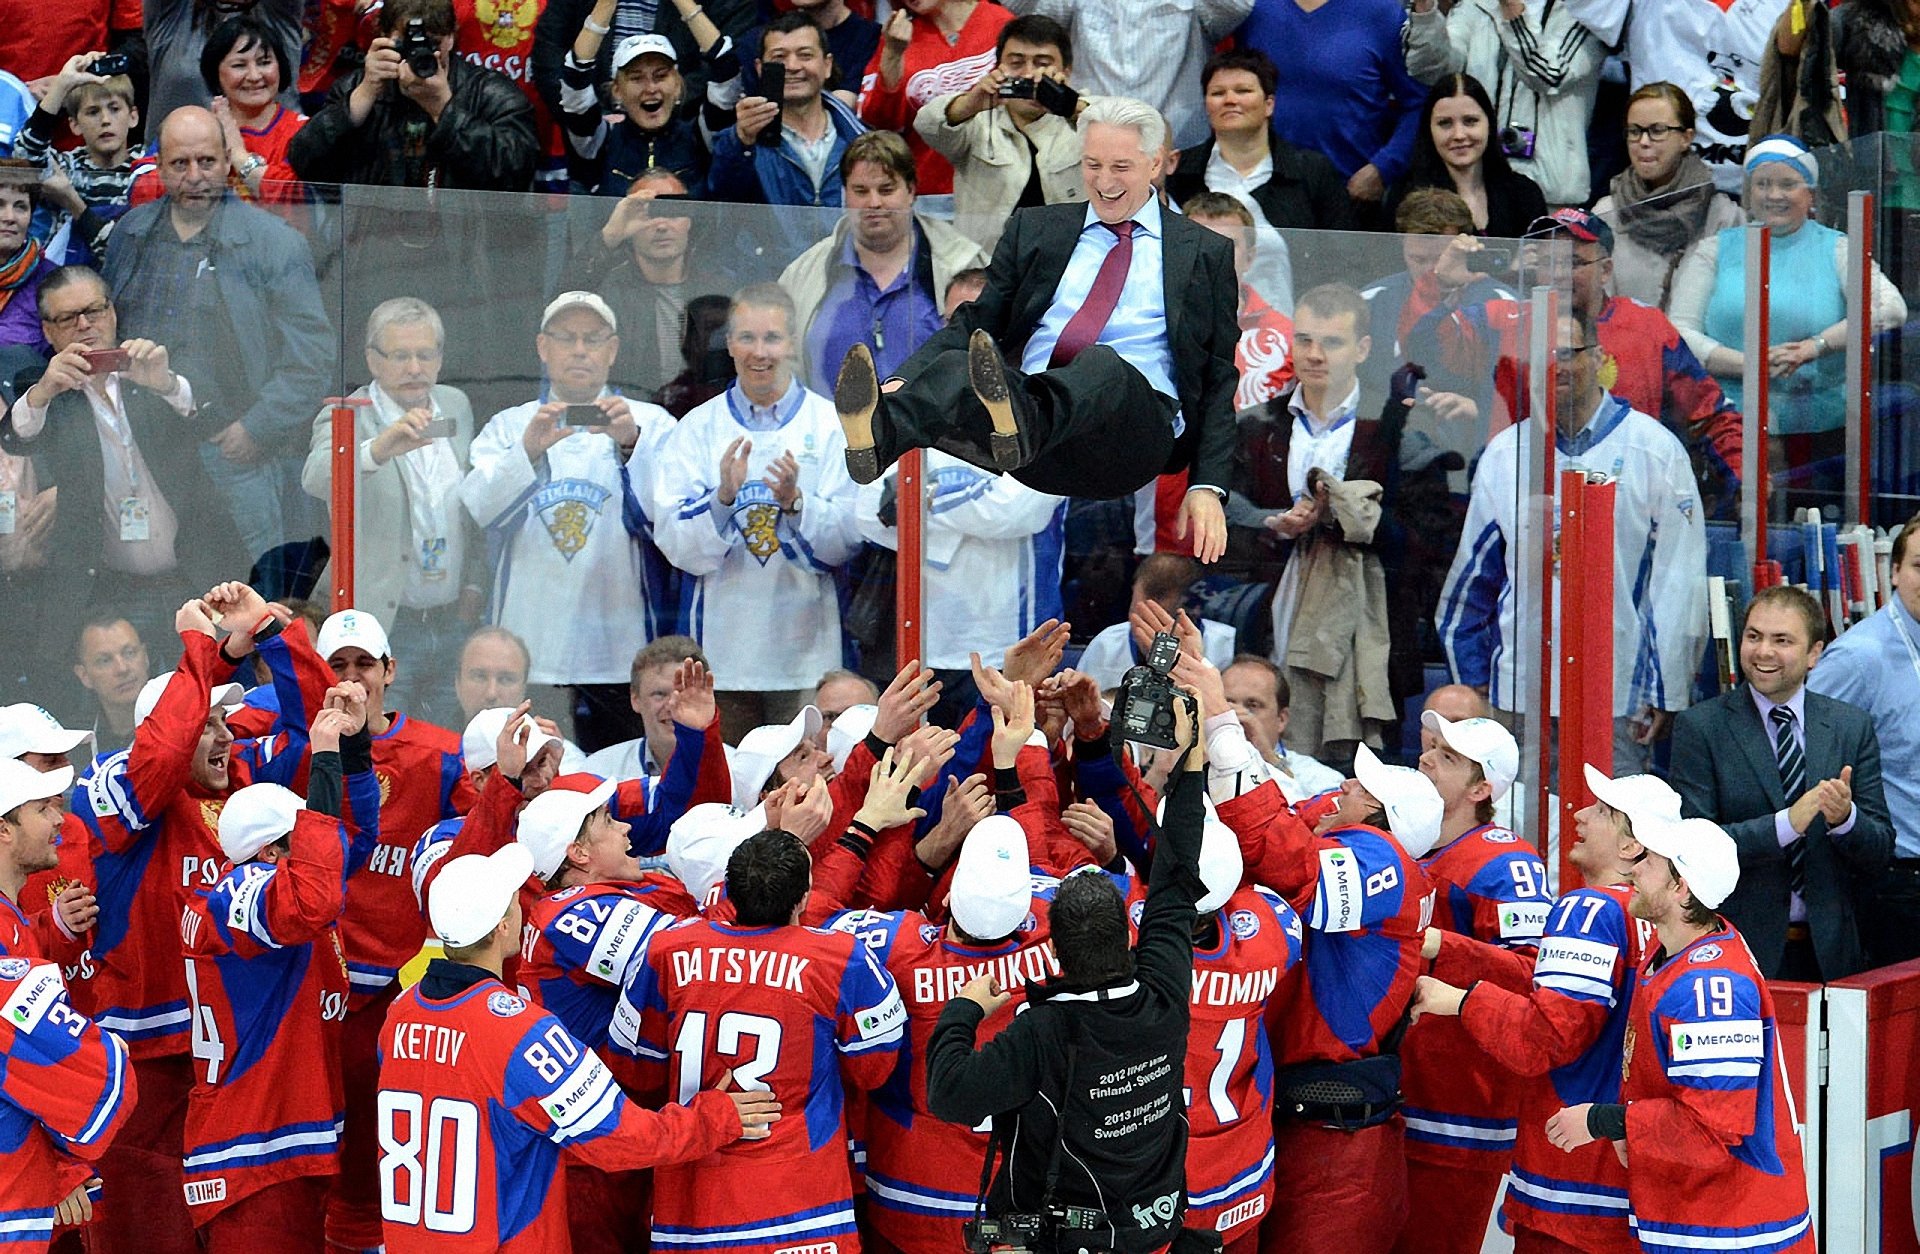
(1876, 666)
(1138, 328)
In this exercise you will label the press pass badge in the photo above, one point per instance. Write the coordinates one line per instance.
(433, 558)
(136, 522)
(9, 512)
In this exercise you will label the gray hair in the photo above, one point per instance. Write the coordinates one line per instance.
(1136, 115)
(404, 311)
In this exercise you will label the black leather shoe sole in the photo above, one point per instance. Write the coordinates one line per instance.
(856, 394)
(989, 379)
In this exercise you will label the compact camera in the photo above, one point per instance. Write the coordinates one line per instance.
(1143, 709)
(1517, 142)
(111, 64)
(418, 49)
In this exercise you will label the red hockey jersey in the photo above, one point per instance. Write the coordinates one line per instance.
(1462, 1110)
(43, 889)
(582, 944)
(788, 1009)
(1712, 1158)
(479, 1094)
(1565, 1036)
(922, 1173)
(268, 984)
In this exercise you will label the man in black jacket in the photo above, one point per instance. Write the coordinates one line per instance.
(1117, 322)
(461, 126)
(1085, 1089)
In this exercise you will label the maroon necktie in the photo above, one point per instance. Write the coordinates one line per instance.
(1085, 326)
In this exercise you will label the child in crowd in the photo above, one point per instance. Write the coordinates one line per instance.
(87, 186)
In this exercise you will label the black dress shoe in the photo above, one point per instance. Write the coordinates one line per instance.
(989, 379)
(856, 394)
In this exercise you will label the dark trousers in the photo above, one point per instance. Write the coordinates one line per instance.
(1888, 908)
(1095, 427)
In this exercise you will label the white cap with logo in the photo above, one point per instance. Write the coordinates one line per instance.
(1642, 798)
(1481, 740)
(475, 891)
(639, 46)
(1701, 852)
(256, 816)
(702, 840)
(223, 697)
(579, 300)
(27, 728)
(352, 627)
(1413, 806)
(550, 823)
(20, 783)
(992, 884)
(762, 749)
(477, 746)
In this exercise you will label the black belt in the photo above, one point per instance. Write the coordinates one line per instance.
(1798, 932)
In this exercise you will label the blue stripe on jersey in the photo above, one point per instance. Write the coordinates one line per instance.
(1565, 1197)
(1241, 1187)
(260, 992)
(117, 877)
(32, 1226)
(823, 1087)
(918, 1199)
(801, 1227)
(1436, 1127)
(169, 1018)
(1754, 1239)
(257, 1149)
(525, 1165)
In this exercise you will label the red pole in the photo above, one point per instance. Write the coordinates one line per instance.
(1549, 561)
(1568, 664)
(346, 478)
(1863, 328)
(1586, 653)
(910, 499)
(1759, 455)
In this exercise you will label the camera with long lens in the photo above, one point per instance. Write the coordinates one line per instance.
(418, 49)
(1143, 710)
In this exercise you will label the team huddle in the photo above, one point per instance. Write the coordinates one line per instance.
(658, 1020)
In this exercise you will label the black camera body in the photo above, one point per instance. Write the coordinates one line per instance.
(1143, 708)
(110, 64)
(1049, 93)
(1016, 89)
(1005, 1234)
(418, 49)
(1517, 142)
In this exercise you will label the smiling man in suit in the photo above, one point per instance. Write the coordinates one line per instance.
(1794, 777)
(1100, 354)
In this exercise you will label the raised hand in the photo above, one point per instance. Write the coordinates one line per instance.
(544, 430)
(350, 697)
(1012, 726)
(906, 701)
(194, 615)
(933, 746)
(964, 804)
(692, 703)
(801, 809)
(329, 725)
(1037, 654)
(995, 688)
(733, 470)
(1079, 694)
(887, 792)
(510, 746)
(1092, 827)
(1199, 675)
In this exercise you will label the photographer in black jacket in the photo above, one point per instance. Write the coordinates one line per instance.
(1085, 1088)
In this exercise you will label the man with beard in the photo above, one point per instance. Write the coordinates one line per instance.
(877, 279)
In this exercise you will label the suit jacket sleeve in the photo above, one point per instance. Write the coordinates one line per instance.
(1216, 299)
(1695, 776)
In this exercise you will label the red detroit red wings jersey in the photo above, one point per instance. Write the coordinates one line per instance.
(268, 984)
(1565, 1036)
(585, 942)
(479, 1094)
(1461, 1109)
(1713, 1162)
(922, 1173)
(65, 1089)
(787, 1008)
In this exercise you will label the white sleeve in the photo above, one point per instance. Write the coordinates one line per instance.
(1889, 307)
(502, 474)
(1555, 57)
(827, 529)
(1692, 288)
(1676, 588)
(996, 507)
(655, 424)
(681, 489)
(1426, 43)
(866, 514)
(1607, 19)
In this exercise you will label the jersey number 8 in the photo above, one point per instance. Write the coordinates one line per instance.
(429, 1166)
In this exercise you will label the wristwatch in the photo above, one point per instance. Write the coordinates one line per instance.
(794, 509)
(1820, 345)
(252, 163)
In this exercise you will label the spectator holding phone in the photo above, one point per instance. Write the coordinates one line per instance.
(1011, 136)
(786, 150)
(88, 184)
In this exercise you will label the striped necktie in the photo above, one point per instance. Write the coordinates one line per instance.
(1793, 781)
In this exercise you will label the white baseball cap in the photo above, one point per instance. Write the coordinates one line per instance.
(1484, 741)
(1642, 798)
(640, 45)
(702, 840)
(551, 822)
(352, 627)
(761, 750)
(1412, 803)
(852, 727)
(20, 783)
(992, 884)
(256, 816)
(580, 300)
(476, 742)
(223, 697)
(475, 891)
(28, 728)
(1700, 850)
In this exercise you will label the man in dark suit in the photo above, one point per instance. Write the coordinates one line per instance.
(137, 526)
(1118, 324)
(1794, 777)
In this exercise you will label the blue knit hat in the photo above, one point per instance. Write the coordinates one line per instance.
(1787, 151)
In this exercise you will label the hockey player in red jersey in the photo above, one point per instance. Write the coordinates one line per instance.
(60, 900)
(1461, 1109)
(1564, 1031)
(480, 1093)
(921, 1172)
(789, 1009)
(268, 983)
(1705, 1116)
(69, 1086)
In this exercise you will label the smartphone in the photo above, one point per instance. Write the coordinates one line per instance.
(583, 416)
(1056, 97)
(107, 360)
(1017, 89)
(437, 428)
(773, 85)
(111, 64)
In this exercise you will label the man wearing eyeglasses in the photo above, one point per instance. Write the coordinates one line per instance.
(1659, 565)
(137, 525)
(418, 568)
(556, 484)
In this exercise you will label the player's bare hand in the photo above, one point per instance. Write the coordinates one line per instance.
(195, 615)
(510, 746)
(1037, 654)
(1567, 1129)
(1092, 827)
(692, 704)
(1200, 675)
(75, 1208)
(1012, 726)
(890, 792)
(985, 992)
(906, 701)
(757, 1108)
(932, 747)
(1435, 997)
(964, 804)
(78, 908)
(1079, 694)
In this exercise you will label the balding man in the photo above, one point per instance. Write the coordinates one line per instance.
(230, 290)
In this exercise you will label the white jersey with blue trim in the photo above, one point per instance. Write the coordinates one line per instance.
(1659, 565)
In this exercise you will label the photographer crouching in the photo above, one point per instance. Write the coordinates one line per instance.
(1089, 1121)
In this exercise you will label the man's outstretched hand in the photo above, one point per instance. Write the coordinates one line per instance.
(1202, 515)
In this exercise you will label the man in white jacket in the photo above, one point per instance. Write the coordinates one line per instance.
(751, 499)
(1659, 564)
(555, 491)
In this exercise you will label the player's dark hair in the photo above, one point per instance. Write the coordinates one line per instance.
(1089, 925)
(767, 876)
(1477, 774)
(1691, 910)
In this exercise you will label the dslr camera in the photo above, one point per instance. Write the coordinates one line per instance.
(1007, 1234)
(1143, 710)
(418, 49)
